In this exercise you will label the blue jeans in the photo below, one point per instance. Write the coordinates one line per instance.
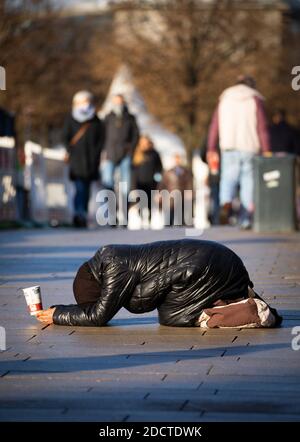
(237, 169)
(82, 196)
(108, 171)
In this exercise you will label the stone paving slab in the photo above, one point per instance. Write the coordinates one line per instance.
(134, 369)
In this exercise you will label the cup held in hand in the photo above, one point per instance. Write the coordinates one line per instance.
(33, 299)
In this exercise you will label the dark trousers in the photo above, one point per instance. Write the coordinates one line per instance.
(147, 188)
(82, 196)
(215, 205)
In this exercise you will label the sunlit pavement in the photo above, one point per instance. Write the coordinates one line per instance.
(134, 369)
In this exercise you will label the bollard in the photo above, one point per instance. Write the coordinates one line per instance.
(2, 339)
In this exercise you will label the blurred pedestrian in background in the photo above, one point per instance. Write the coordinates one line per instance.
(213, 180)
(121, 138)
(178, 178)
(283, 135)
(22, 193)
(146, 168)
(7, 124)
(83, 137)
(239, 124)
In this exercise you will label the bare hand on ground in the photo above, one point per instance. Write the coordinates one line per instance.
(46, 316)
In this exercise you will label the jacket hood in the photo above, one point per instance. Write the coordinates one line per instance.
(240, 92)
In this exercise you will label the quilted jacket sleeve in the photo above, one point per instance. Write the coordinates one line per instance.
(117, 286)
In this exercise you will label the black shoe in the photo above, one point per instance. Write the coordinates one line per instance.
(83, 222)
(76, 221)
(79, 221)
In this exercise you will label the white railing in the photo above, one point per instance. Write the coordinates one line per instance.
(51, 191)
(46, 178)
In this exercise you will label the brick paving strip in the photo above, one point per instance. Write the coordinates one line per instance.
(134, 369)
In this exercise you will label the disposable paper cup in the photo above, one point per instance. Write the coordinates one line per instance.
(33, 299)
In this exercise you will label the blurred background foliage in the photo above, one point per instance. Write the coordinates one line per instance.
(182, 53)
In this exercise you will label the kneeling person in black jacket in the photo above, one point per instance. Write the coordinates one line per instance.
(179, 278)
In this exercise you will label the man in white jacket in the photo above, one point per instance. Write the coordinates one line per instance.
(239, 126)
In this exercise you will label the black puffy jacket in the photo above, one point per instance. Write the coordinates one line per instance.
(179, 277)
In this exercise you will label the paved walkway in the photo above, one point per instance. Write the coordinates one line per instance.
(134, 369)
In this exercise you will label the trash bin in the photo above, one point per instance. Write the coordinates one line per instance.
(275, 193)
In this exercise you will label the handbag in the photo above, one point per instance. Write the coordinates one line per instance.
(79, 134)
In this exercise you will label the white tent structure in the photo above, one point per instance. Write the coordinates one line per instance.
(165, 142)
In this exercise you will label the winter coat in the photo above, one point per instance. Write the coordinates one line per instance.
(85, 154)
(240, 122)
(121, 136)
(143, 174)
(180, 278)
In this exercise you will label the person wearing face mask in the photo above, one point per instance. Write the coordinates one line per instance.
(121, 138)
(83, 137)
